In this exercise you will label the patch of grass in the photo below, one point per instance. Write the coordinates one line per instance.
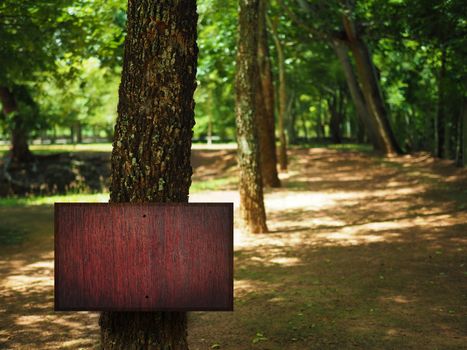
(52, 149)
(208, 185)
(50, 200)
(11, 235)
(223, 183)
(353, 147)
(98, 147)
(349, 147)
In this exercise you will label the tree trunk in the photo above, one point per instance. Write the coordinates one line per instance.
(371, 91)
(335, 121)
(209, 136)
(282, 99)
(319, 122)
(441, 130)
(265, 105)
(462, 155)
(20, 152)
(54, 135)
(251, 190)
(355, 92)
(79, 133)
(292, 120)
(151, 148)
(72, 134)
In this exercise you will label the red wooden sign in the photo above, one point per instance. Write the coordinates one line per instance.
(143, 257)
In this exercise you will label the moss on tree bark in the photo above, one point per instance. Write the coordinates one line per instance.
(152, 143)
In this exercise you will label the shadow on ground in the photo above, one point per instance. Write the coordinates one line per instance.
(364, 252)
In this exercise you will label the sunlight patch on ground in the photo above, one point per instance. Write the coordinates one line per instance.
(398, 299)
(351, 239)
(286, 261)
(28, 320)
(37, 276)
(20, 283)
(243, 287)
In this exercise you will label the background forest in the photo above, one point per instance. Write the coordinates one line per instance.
(61, 64)
(348, 178)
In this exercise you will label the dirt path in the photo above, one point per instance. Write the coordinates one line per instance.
(363, 253)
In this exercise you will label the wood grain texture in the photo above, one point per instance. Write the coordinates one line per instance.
(143, 257)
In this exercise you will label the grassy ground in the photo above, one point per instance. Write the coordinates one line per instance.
(364, 253)
(99, 147)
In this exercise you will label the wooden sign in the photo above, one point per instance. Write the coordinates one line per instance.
(143, 257)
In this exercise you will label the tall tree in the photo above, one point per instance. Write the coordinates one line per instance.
(151, 149)
(331, 31)
(251, 190)
(282, 96)
(35, 34)
(265, 104)
(20, 152)
(371, 88)
(356, 94)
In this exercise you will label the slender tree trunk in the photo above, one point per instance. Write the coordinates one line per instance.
(265, 104)
(251, 190)
(282, 99)
(304, 128)
(79, 133)
(386, 140)
(20, 152)
(319, 122)
(54, 135)
(441, 130)
(335, 121)
(292, 119)
(72, 134)
(151, 148)
(464, 132)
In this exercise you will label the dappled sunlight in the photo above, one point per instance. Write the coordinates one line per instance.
(243, 287)
(364, 250)
(398, 299)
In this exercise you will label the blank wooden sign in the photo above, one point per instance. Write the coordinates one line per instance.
(143, 257)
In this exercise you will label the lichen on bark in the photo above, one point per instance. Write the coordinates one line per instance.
(250, 184)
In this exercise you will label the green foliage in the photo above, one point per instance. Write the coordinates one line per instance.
(63, 58)
(88, 98)
(215, 95)
(53, 51)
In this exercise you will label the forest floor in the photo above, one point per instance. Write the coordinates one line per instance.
(363, 252)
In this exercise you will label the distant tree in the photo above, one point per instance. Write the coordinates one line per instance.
(215, 95)
(10, 98)
(35, 34)
(251, 189)
(333, 21)
(152, 145)
(282, 93)
(265, 103)
(79, 95)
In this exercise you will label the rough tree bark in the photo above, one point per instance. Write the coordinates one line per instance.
(251, 190)
(20, 152)
(282, 99)
(265, 104)
(386, 140)
(151, 148)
